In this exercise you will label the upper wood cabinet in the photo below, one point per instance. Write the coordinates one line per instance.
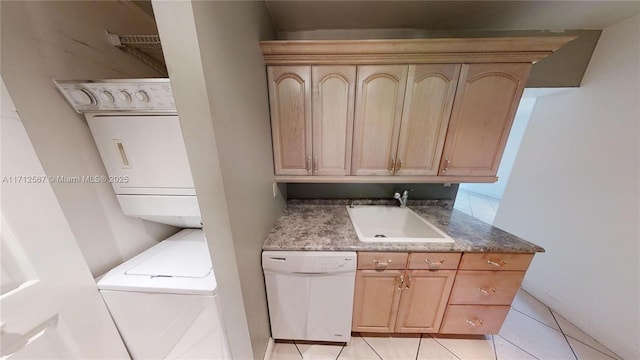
(415, 110)
(312, 139)
(333, 99)
(379, 100)
(486, 102)
(427, 106)
(290, 101)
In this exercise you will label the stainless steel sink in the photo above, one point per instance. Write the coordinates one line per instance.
(393, 224)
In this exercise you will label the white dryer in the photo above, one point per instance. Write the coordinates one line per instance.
(163, 301)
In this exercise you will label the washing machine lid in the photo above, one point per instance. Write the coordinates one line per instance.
(177, 265)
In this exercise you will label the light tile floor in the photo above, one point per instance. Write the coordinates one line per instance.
(477, 205)
(531, 331)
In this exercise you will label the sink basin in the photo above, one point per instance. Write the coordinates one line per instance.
(393, 224)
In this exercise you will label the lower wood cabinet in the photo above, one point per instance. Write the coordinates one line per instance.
(423, 300)
(448, 293)
(399, 300)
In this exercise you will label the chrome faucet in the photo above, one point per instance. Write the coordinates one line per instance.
(402, 198)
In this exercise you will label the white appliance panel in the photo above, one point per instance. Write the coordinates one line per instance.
(168, 326)
(175, 266)
(143, 154)
(310, 294)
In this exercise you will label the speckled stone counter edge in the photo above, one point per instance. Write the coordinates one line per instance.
(324, 225)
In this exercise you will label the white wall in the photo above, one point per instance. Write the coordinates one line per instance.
(45, 40)
(219, 81)
(575, 191)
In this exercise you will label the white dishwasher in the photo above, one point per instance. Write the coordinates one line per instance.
(310, 294)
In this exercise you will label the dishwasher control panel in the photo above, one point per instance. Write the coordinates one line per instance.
(309, 262)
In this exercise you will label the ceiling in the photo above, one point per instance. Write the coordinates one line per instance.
(367, 19)
(293, 16)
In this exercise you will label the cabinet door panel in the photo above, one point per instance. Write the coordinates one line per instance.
(290, 101)
(425, 117)
(485, 104)
(424, 300)
(376, 300)
(333, 101)
(378, 113)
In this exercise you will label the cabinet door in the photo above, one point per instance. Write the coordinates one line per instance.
(424, 300)
(376, 300)
(425, 117)
(486, 101)
(379, 100)
(333, 99)
(290, 100)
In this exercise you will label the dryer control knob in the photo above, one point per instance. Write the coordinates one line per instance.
(108, 96)
(83, 97)
(124, 96)
(142, 96)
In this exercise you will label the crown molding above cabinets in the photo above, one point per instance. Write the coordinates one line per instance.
(390, 111)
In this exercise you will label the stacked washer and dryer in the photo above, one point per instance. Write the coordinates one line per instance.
(163, 300)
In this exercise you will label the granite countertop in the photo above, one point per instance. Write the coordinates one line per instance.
(325, 225)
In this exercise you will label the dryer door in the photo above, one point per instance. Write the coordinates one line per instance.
(143, 154)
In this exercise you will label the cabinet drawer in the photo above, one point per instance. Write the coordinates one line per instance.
(434, 261)
(474, 319)
(495, 261)
(486, 287)
(382, 260)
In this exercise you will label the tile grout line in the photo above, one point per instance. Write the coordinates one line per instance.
(299, 352)
(419, 343)
(585, 344)
(543, 323)
(374, 350)
(516, 345)
(341, 350)
(563, 334)
(446, 348)
(495, 351)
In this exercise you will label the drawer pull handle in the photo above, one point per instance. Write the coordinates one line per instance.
(487, 292)
(497, 263)
(478, 323)
(434, 264)
(381, 264)
(410, 280)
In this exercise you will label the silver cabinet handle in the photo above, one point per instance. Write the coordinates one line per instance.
(486, 292)
(401, 281)
(381, 264)
(309, 164)
(393, 165)
(446, 167)
(434, 264)
(477, 323)
(398, 165)
(497, 263)
(315, 165)
(410, 280)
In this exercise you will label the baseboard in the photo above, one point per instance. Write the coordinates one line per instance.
(601, 335)
(269, 351)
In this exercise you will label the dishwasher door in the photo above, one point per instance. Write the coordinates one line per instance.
(310, 294)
